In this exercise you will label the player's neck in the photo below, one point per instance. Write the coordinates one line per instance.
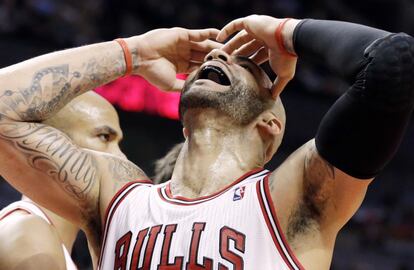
(214, 156)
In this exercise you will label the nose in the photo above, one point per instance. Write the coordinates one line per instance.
(218, 54)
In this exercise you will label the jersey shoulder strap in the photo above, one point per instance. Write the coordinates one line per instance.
(26, 206)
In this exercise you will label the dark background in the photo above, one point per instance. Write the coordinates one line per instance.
(380, 236)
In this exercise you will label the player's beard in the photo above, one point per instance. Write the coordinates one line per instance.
(241, 103)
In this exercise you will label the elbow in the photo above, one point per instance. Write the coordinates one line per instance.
(387, 78)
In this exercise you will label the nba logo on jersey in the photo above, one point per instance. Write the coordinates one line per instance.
(238, 193)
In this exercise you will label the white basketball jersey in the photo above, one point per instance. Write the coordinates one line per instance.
(234, 229)
(33, 209)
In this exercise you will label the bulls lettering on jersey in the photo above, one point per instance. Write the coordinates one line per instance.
(151, 235)
(233, 229)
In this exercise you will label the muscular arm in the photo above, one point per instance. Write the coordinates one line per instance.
(356, 138)
(35, 89)
(122, 172)
(45, 165)
(38, 160)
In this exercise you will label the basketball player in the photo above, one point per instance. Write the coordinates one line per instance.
(220, 210)
(42, 239)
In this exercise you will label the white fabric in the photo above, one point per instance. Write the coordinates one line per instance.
(236, 211)
(35, 210)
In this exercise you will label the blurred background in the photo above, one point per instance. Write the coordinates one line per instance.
(381, 234)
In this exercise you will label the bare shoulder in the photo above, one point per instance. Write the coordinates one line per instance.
(29, 242)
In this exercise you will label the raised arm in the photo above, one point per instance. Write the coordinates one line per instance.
(319, 187)
(35, 89)
(42, 162)
(362, 131)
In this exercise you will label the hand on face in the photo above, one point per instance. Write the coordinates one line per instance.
(257, 39)
(163, 53)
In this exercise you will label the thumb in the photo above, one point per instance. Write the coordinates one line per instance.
(278, 85)
(178, 85)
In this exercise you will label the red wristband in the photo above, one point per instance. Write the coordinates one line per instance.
(279, 38)
(127, 55)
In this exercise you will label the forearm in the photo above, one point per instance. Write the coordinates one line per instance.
(362, 131)
(340, 45)
(35, 89)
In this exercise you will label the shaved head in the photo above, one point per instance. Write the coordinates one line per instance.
(91, 122)
(83, 108)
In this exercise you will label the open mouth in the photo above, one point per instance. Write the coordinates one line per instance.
(215, 74)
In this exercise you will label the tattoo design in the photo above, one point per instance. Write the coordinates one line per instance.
(50, 151)
(49, 89)
(123, 171)
(29, 104)
(52, 87)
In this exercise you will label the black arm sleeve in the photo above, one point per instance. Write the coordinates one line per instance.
(362, 131)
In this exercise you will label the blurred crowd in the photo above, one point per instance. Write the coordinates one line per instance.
(71, 22)
(66, 23)
(385, 224)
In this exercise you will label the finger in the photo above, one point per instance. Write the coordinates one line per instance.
(206, 45)
(230, 28)
(237, 41)
(249, 48)
(200, 35)
(260, 56)
(178, 85)
(197, 56)
(278, 86)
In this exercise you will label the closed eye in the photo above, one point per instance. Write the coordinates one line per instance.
(247, 67)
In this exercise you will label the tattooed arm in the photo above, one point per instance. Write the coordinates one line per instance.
(121, 172)
(45, 165)
(77, 184)
(35, 89)
(42, 162)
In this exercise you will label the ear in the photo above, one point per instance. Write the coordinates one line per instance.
(185, 133)
(269, 126)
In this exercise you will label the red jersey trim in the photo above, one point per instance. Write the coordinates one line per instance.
(8, 213)
(41, 210)
(26, 208)
(165, 191)
(122, 190)
(113, 205)
(269, 213)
